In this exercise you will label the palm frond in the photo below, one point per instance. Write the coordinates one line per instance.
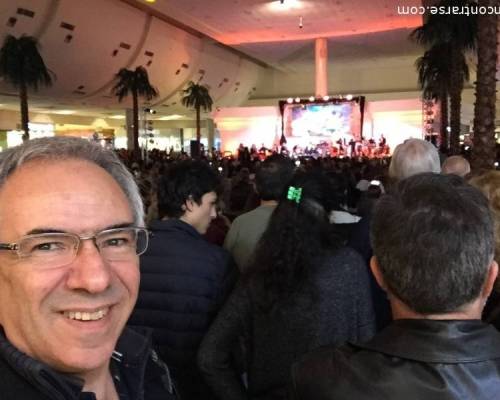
(21, 62)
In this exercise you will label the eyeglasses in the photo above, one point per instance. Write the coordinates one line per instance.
(52, 250)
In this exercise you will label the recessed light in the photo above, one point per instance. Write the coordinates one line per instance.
(63, 112)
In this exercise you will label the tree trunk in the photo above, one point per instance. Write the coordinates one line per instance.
(484, 145)
(198, 125)
(135, 117)
(23, 98)
(443, 129)
(198, 133)
(455, 104)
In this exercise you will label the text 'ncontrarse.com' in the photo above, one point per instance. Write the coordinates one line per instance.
(448, 10)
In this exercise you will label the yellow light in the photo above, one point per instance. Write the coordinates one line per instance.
(150, 1)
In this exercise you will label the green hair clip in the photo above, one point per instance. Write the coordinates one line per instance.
(294, 194)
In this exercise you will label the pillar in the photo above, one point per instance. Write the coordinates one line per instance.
(321, 58)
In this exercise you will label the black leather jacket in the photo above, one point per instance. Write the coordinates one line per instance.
(409, 360)
(138, 374)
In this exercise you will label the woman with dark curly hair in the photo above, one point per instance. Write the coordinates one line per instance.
(301, 291)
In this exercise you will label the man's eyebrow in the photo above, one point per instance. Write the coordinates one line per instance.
(38, 231)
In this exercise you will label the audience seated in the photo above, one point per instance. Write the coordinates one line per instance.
(184, 278)
(433, 238)
(301, 291)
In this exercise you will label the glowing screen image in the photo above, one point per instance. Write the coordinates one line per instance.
(323, 120)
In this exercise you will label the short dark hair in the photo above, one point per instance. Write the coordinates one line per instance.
(433, 237)
(273, 176)
(184, 180)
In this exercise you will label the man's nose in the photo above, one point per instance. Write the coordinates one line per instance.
(89, 271)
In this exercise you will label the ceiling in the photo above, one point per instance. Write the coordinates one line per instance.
(270, 31)
(264, 32)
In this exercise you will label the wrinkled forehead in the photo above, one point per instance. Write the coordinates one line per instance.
(55, 192)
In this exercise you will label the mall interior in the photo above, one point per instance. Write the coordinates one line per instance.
(250, 54)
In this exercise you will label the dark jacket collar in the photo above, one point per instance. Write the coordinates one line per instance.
(437, 341)
(129, 361)
(174, 224)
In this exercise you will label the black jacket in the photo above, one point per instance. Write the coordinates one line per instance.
(409, 360)
(184, 281)
(333, 305)
(138, 373)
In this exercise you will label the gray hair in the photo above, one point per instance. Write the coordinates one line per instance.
(65, 148)
(412, 157)
(433, 236)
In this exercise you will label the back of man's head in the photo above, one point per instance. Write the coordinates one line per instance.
(412, 157)
(186, 180)
(273, 176)
(433, 240)
(456, 165)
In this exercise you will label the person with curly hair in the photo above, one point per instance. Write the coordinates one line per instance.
(301, 291)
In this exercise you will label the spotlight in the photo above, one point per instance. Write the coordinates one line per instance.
(297, 163)
(289, 100)
(297, 99)
(326, 98)
(349, 97)
(311, 98)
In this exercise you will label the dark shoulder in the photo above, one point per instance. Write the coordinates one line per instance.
(345, 261)
(321, 367)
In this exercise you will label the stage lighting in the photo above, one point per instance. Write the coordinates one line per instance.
(326, 98)
(349, 97)
(311, 98)
(289, 100)
(297, 99)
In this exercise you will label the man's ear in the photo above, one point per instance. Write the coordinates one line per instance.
(188, 204)
(491, 276)
(375, 267)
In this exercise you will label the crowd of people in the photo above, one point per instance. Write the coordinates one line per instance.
(247, 278)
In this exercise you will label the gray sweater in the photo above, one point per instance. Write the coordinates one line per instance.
(333, 307)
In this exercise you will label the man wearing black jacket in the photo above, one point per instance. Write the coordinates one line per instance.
(433, 244)
(184, 278)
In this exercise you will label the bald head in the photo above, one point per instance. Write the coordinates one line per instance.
(456, 165)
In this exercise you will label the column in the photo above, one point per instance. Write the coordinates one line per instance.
(321, 57)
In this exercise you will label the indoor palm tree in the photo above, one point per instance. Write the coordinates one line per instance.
(459, 32)
(433, 78)
(198, 97)
(137, 84)
(22, 66)
(484, 144)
